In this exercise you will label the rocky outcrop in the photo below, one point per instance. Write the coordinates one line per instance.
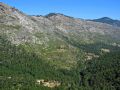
(47, 83)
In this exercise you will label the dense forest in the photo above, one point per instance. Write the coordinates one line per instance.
(19, 70)
(102, 73)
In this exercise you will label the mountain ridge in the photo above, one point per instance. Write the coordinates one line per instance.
(108, 21)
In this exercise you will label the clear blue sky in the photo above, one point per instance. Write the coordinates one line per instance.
(87, 9)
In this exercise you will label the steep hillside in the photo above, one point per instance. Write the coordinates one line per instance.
(51, 49)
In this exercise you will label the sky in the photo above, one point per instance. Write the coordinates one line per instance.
(86, 9)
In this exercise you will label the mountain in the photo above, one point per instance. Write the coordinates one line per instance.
(55, 51)
(108, 21)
